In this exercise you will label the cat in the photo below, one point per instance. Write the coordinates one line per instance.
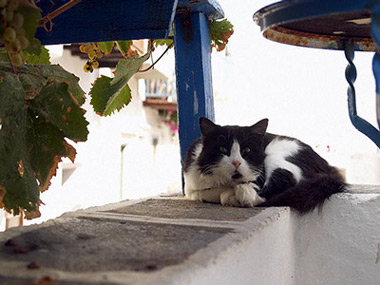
(247, 167)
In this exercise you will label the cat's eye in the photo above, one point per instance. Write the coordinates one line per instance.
(246, 150)
(223, 150)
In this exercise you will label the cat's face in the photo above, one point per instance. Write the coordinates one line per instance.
(232, 154)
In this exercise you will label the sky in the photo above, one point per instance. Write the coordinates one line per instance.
(303, 91)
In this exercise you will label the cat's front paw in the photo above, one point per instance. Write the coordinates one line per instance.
(228, 198)
(246, 195)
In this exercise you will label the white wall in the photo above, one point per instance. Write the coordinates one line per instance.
(340, 245)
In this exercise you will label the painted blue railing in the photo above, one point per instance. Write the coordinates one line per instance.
(158, 88)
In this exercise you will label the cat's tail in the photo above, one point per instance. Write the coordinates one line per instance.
(309, 194)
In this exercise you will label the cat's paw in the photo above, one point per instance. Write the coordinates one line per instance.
(246, 195)
(227, 198)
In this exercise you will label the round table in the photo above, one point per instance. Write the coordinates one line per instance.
(350, 25)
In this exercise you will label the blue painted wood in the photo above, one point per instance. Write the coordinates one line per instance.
(194, 79)
(106, 20)
(289, 11)
(211, 8)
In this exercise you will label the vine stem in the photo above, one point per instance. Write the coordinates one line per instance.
(12, 66)
(158, 59)
(49, 17)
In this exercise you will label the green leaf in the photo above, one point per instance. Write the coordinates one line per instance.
(109, 95)
(107, 98)
(127, 67)
(3, 55)
(46, 147)
(106, 47)
(164, 42)
(18, 187)
(220, 32)
(37, 113)
(34, 77)
(31, 15)
(56, 105)
(36, 53)
(123, 46)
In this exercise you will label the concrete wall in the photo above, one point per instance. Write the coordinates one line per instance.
(341, 244)
(338, 245)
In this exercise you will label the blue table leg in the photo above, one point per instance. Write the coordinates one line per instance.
(376, 73)
(193, 75)
(359, 123)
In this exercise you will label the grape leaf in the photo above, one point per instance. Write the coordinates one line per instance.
(34, 126)
(164, 42)
(107, 98)
(220, 32)
(57, 106)
(34, 77)
(31, 14)
(109, 95)
(124, 46)
(3, 54)
(36, 53)
(106, 47)
(46, 147)
(18, 187)
(127, 67)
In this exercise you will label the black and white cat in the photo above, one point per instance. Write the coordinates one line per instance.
(246, 166)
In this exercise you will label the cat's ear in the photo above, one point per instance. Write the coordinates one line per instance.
(260, 127)
(206, 126)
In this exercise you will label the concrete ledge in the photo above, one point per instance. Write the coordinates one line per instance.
(174, 241)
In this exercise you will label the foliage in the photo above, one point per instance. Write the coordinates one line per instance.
(111, 94)
(220, 32)
(40, 104)
(39, 110)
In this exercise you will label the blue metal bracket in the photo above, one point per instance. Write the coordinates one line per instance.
(359, 123)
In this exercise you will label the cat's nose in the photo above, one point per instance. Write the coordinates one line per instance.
(236, 164)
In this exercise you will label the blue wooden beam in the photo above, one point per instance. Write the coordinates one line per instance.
(211, 8)
(193, 74)
(108, 20)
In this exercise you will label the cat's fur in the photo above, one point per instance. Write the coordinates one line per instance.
(246, 166)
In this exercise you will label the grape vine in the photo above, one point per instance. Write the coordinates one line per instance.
(41, 113)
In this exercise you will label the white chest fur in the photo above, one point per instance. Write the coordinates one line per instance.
(276, 153)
